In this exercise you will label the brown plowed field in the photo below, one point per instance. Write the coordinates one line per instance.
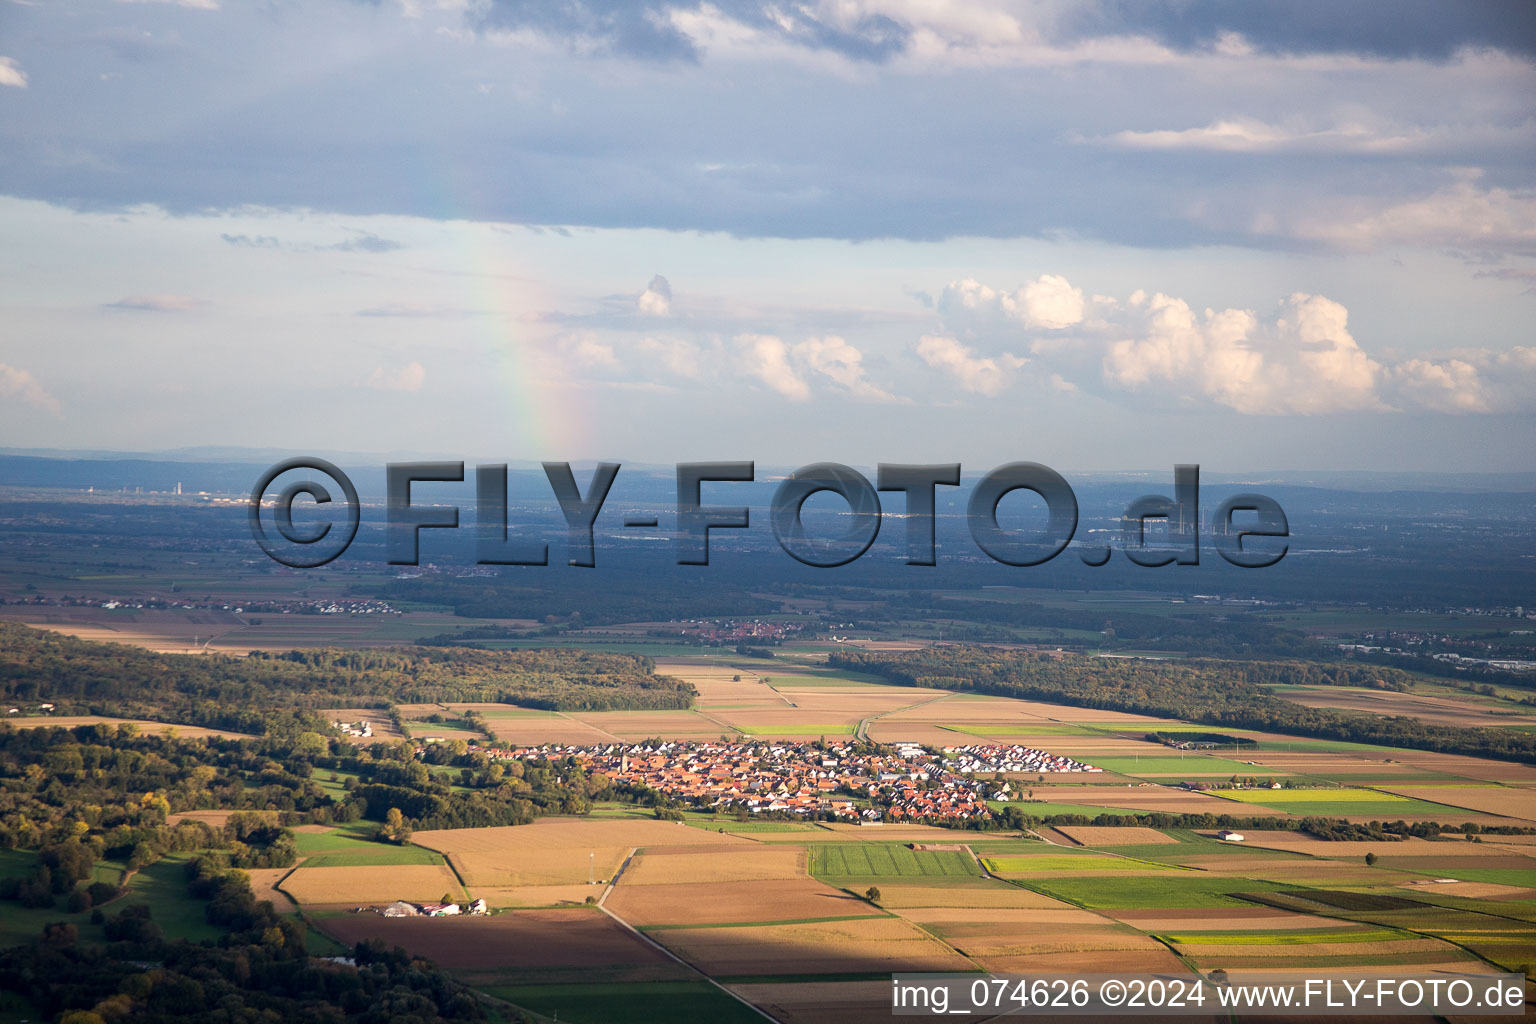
(514, 939)
(733, 902)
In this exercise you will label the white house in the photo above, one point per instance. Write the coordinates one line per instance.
(1227, 835)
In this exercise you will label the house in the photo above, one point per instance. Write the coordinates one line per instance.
(441, 909)
(1227, 835)
(479, 907)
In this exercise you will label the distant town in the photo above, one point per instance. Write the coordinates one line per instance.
(857, 782)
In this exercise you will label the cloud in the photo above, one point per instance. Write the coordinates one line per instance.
(407, 378)
(983, 375)
(840, 362)
(767, 358)
(22, 386)
(195, 5)
(1463, 216)
(156, 303)
(252, 241)
(1474, 381)
(588, 353)
(656, 300)
(11, 73)
(676, 30)
(680, 356)
(1050, 302)
(365, 241)
(1250, 135)
(1524, 275)
(1303, 361)
(1404, 29)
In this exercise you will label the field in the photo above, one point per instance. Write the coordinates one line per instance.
(556, 851)
(874, 945)
(1335, 802)
(775, 910)
(186, 732)
(1088, 835)
(703, 865)
(885, 860)
(360, 885)
(538, 942)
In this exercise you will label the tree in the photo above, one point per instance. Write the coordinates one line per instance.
(872, 894)
(1370, 858)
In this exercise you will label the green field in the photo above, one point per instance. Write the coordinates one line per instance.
(1177, 889)
(1297, 938)
(342, 850)
(1031, 865)
(657, 1002)
(882, 860)
(1047, 810)
(1329, 802)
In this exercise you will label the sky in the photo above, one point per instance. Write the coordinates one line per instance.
(1102, 236)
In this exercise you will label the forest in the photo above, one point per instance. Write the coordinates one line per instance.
(282, 692)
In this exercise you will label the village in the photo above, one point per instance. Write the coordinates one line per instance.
(846, 780)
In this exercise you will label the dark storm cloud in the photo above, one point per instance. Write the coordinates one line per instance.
(645, 30)
(1401, 29)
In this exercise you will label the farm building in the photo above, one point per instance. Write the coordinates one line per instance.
(1229, 836)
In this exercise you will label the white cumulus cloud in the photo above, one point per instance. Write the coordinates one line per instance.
(1049, 302)
(767, 358)
(981, 374)
(840, 362)
(407, 378)
(1302, 361)
(656, 300)
(11, 73)
(21, 386)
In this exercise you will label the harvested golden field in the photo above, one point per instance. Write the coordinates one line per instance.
(987, 895)
(357, 886)
(554, 851)
(733, 902)
(985, 943)
(883, 731)
(1061, 914)
(536, 895)
(186, 732)
(314, 830)
(703, 865)
(264, 887)
(1508, 801)
(214, 819)
(1428, 709)
(636, 725)
(831, 947)
(1471, 890)
(556, 728)
(1105, 961)
(1091, 835)
(513, 940)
